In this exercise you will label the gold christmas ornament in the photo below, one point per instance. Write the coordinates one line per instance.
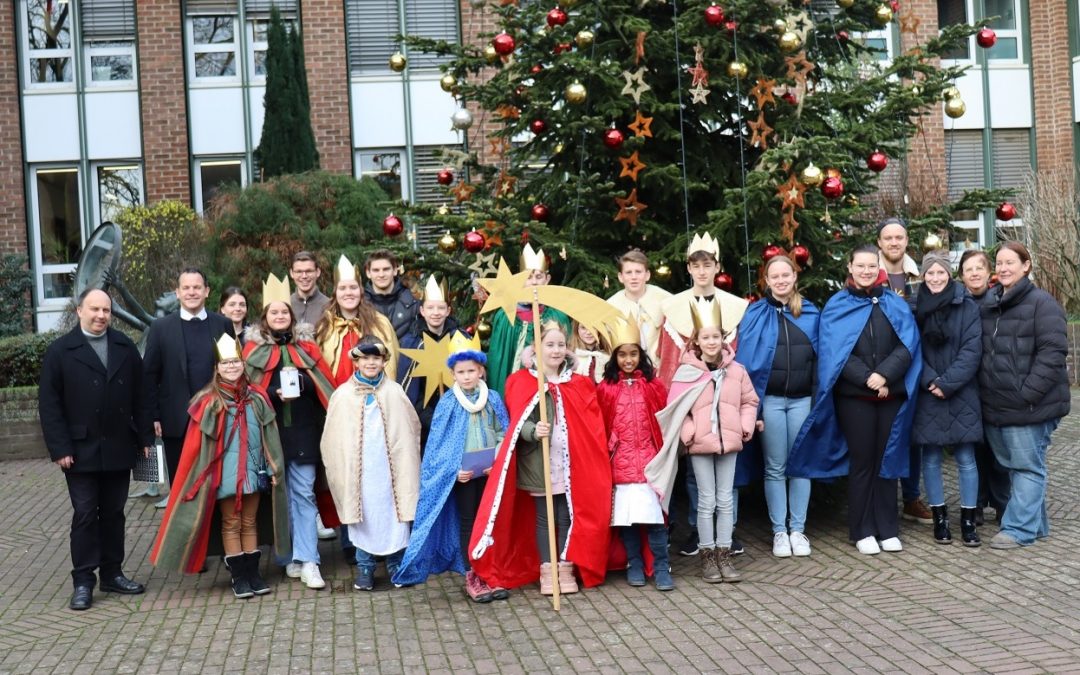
(950, 93)
(490, 55)
(779, 25)
(932, 242)
(584, 39)
(738, 70)
(576, 93)
(447, 82)
(483, 329)
(811, 176)
(663, 272)
(955, 107)
(789, 42)
(398, 62)
(883, 15)
(845, 4)
(447, 243)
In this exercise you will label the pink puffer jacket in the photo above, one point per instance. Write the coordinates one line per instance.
(738, 406)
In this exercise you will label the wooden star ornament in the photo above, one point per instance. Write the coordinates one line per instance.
(641, 126)
(760, 132)
(463, 192)
(635, 84)
(631, 166)
(698, 94)
(798, 68)
(629, 208)
(763, 92)
(791, 193)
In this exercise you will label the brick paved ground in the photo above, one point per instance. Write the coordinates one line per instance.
(931, 608)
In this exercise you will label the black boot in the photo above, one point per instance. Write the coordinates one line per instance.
(968, 534)
(941, 524)
(255, 580)
(241, 587)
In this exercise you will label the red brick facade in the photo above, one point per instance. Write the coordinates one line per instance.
(323, 26)
(1050, 64)
(12, 191)
(476, 21)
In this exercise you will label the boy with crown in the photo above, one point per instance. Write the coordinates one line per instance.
(468, 418)
(508, 340)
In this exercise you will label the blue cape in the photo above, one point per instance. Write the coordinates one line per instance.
(758, 331)
(842, 322)
(435, 544)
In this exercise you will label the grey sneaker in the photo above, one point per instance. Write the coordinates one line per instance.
(1002, 541)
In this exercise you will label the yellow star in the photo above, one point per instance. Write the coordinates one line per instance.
(429, 362)
(631, 166)
(505, 291)
(642, 126)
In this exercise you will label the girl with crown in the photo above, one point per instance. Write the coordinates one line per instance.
(231, 453)
(279, 354)
(591, 353)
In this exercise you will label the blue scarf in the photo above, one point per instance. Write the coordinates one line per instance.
(372, 383)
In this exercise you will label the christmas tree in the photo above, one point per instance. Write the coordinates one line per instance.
(635, 123)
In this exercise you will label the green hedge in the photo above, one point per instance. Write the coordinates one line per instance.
(22, 356)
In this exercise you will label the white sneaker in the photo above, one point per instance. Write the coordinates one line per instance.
(800, 545)
(324, 532)
(292, 570)
(868, 546)
(892, 545)
(781, 546)
(309, 574)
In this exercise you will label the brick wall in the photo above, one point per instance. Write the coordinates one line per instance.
(164, 103)
(20, 430)
(328, 81)
(1050, 63)
(474, 22)
(12, 203)
(926, 179)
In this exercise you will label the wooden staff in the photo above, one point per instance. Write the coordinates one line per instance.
(545, 444)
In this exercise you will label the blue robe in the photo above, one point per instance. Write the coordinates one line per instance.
(758, 332)
(842, 322)
(435, 542)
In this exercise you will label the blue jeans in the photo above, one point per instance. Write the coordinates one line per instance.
(691, 494)
(783, 418)
(964, 453)
(365, 562)
(1022, 450)
(300, 486)
(715, 518)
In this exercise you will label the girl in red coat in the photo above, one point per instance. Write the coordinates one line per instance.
(629, 398)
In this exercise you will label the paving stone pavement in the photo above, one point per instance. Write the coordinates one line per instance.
(931, 608)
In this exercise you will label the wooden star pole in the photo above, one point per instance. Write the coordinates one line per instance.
(545, 446)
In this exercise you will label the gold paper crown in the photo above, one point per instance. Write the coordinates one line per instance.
(705, 314)
(460, 342)
(227, 347)
(436, 290)
(533, 260)
(346, 271)
(275, 290)
(625, 332)
(703, 243)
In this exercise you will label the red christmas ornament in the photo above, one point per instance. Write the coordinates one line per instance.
(504, 44)
(832, 187)
(392, 226)
(1005, 211)
(731, 25)
(789, 98)
(445, 177)
(556, 17)
(843, 35)
(752, 297)
(540, 212)
(473, 242)
(837, 235)
(724, 282)
(714, 15)
(538, 126)
(563, 47)
(771, 251)
(613, 139)
(986, 38)
(535, 70)
(524, 236)
(895, 5)
(801, 254)
(470, 330)
(877, 161)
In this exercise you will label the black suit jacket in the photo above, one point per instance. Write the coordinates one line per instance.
(165, 368)
(92, 414)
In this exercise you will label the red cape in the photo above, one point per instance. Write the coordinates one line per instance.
(506, 520)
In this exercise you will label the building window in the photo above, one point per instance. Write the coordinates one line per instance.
(385, 167)
(59, 228)
(213, 46)
(119, 187)
(1007, 27)
(260, 45)
(964, 161)
(108, 40)
(48, 48)
(371, 25)
(1011, 157)
(213, 175)
(951, 13)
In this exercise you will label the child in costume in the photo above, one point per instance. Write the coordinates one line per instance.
(468, 417)
(371, 451)
(231, 439)
(591, 354)
(630, 396)
(712, 409)
(509, 545)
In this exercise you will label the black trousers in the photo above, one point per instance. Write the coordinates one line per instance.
(467, 498)
(97, 525)
(871, 498)
(173, 448)
(562, 526)
(994, 481)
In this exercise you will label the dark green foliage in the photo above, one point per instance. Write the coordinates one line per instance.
(15, 286)
(22, 356)
(288, 142)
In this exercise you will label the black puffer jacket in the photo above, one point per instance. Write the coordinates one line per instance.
(399, 305)
(794, 364)
(878, 350)
(953, 367)
(1023, 378)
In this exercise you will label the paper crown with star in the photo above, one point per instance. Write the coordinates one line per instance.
(703, 243)
(435, 290)
(227, 348)
(533, 260)
(625, 332)
(464, 348)
(345, 270)
(275, 290)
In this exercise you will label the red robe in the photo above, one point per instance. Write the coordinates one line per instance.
(505, 526)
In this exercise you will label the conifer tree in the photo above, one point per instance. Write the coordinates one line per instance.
(288, 142)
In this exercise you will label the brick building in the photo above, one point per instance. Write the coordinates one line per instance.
(105, 103)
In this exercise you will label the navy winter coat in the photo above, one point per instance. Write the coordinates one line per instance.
(954, 368)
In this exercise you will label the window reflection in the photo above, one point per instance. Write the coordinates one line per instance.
(119, 188)
(58, 215)
(385, 168)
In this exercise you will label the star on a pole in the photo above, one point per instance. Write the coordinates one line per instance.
(629, 208)
(635, 84)
(631, 166)
(505, 290)
(429, 362)
(641, 126)
(698, 94)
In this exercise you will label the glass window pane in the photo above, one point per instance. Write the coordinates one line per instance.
(212, 30)
(215, 175)
(50, 70)
(59, 285)
(260, 62)
(950, 13)
(385, 168)
(215, 64)
(879, 47)
(111, 68)
(119, 187)
(58, 215)
(49, 24)
(1005, 48)
(1005, 10)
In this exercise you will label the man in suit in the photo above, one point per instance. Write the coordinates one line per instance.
(179, 361)
(94, 423)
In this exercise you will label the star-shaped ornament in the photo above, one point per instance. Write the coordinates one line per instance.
(493, 233)
(800, 24)
(698, 94)
(508, 112)
(463, 192)
(641, 126)
(505, 184)
(791, 193)
(761, 131)
(629, 208)
(798, 68)
(699, 53)
(763, 92)
(484, 265)
(505, 291)
(635, 84)
(498, 145)
(698, 75)
(631, 166)
(909, 23)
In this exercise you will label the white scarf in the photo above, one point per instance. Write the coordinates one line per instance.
(463, 399)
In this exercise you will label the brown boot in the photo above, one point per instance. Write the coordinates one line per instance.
(545, 579)
(709, 571)
(726, 565)
(567, 582)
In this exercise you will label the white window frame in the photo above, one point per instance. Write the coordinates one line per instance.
(30, 54)
(404, 172)
(99, 198)
(116, 48)
(41, 268)
(216, 161)
(194, 49)
(1011, 33)
(257, 46)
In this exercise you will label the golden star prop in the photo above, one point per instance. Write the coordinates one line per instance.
(484, 265)
(798, 68)
(429, 362)
(505, 291)
(631, 166)
(642, 126)
(698, 75)
(698, 94)
(635, 90)
(463, 192)
(761, 130)
(763, 92)
(629, 208)
(791, 193)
